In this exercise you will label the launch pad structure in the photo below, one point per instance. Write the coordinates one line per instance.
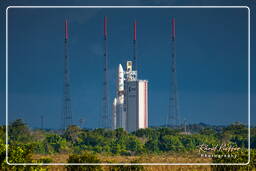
(130, 106)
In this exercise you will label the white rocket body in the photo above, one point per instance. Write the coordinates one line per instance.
(121, 117)
(114, 114)
(120, 83)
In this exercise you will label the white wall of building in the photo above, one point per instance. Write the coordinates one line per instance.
(142, 104)
(131, 91)
(136, 102)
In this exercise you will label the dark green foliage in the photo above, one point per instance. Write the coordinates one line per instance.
(253, 141)
(2, 133)
(18, 154)
(57, 143)
(189, 142)
(152, 146)
(116, 148)
(18, 132)
(237, 129)
(120, 142)
(149, 133)
(52, 143)
(134, 145)
(94, 140)
(240, 141)
(41, 148)
(2, 152)
(86, 157)
(24, 142)
(242, 157)
(105, 133)
(167, 131)
(72, 134)
(120, 132)
(208, 131)
(171, 143)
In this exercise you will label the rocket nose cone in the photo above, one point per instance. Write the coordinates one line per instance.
(120, 68)
(114, 103)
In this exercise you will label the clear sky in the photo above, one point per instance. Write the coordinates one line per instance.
(212, 61)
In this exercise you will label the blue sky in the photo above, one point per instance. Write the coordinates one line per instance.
(212, 60)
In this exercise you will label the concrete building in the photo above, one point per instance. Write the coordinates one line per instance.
(136, 104)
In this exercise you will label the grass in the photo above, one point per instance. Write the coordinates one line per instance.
(166, 158)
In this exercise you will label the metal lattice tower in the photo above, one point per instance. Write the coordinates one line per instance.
(173, 117)
(135, 65)
(105, 118)
(67, 112)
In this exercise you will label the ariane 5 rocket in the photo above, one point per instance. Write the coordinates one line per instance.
(121, 118)
(120, 81)
(119, 106)
(114, 114)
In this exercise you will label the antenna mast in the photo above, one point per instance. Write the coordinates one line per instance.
(135, 65)
(67, 113)
(105, 119)
(173, 118)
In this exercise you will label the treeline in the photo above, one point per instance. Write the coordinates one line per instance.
(85, 145)
(120, 142)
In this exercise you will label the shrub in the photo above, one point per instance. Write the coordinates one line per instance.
(127, 167)
(115, 148)
(134, 145)
(72, 133)
(171, 143)
(86, 157)
(55, 144)
(19, 132)
(152, 146)
(242, 157)
(18, 154)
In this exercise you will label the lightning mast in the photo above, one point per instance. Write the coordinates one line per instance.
(67, 112)
(135, 65)
(105, 119)
(173, 117)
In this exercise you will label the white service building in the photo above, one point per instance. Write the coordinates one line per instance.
(136, 104)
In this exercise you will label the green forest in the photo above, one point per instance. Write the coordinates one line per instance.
(91, 145)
